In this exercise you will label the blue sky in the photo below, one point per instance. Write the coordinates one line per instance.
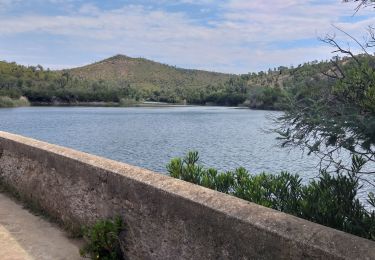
(236, 36)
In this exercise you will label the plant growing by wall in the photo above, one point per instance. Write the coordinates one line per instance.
(103, 240)
(330, 200)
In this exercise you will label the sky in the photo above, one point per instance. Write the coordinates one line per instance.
(233, 36)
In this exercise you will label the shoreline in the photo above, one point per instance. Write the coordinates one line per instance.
(149, 104)
(108, 104)
(140, 105)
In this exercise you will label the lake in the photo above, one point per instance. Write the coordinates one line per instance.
(226, 138)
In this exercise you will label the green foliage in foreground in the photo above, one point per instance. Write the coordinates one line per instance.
(103, 240)
(328, 200)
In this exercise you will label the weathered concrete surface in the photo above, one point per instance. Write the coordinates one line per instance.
(24, 236)
(166, 218)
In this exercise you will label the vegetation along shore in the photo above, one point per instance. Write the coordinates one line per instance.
(125, 81)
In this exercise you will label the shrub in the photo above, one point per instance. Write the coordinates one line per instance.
(128, 102)
(10, 102)
(103, 240)
(332, 201)
(329, 200)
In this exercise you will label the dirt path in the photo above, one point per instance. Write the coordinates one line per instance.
(26, 236)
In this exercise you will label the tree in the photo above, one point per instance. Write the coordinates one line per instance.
(330, 118)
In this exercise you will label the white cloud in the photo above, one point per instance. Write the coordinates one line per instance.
(247, 36)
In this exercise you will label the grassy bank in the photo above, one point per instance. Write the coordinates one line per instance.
(11, 102)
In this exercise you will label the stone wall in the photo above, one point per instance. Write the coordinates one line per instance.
(165, 218)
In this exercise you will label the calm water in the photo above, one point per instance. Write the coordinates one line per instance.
(226, 138)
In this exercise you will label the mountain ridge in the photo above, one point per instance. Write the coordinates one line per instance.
(121, 67)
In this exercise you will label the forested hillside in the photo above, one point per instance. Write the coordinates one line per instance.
(110, 80)
(121, 78)
(143, 72)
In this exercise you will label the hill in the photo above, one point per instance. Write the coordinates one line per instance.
(111, 80)
(121, 79)
(145, 72)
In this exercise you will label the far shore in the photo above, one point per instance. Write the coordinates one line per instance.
(109, 104)
(118, 104)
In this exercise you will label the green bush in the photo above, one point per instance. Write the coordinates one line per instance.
(13, 102)
(103, 240)
(128, 102)
(330, 200)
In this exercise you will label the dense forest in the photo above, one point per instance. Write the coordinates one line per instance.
(124, 80)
